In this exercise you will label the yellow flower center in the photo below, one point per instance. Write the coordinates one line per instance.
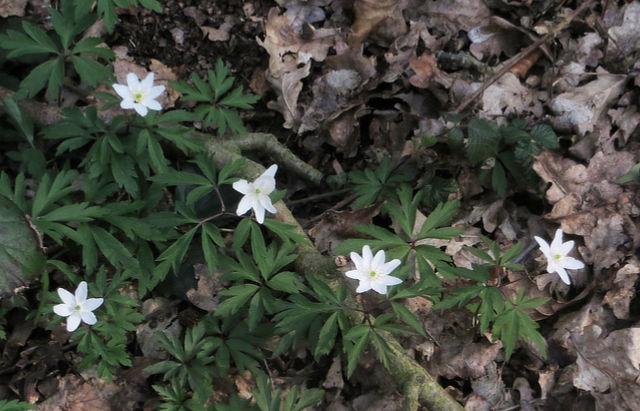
(557, 256)
(137, 97)
(77, 308)
(257, 191)
(373, 274)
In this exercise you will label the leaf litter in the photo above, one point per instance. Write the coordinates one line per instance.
(363, 79)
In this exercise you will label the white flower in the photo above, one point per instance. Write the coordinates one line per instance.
(373, 272)
(139, 95)
(256, 194)
(557, 259)
(77, 307)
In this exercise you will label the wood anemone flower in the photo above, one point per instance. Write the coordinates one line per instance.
(372, 271)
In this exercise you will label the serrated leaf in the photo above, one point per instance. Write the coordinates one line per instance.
(544, 135)
(483, 140)
(327, 336)
(355, 353)
(441, 215)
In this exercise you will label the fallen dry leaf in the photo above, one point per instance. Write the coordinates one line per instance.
(335, 226)
(12, 8)
(370, 15)
(205, 296)
(425, 67)
(624, 289)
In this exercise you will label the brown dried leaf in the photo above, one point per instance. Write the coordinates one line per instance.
(12, 8)
(608, 366)
(335, 226)
(219, 34)
(205, 296)
(370, 16)
(623, 291)
(580, 109)
(425, 67)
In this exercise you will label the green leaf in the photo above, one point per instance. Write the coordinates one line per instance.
(408, 317)
(152, 5)
(544, 135)
(176, 251)
(483, 140)
(21, 258)
(15, 405)
(327, 336)
(632, 175)
(499, 179)
(89, 70)
(50, 71)
(511, 253)
(238, 296)
(441, 215)
(19, 117)
(355, 353)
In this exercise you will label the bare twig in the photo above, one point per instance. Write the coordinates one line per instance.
(523, 54)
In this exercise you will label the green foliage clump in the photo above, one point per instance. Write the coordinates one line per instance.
(61, 48)
(501, 149)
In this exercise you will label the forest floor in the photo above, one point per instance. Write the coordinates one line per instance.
(344, 84)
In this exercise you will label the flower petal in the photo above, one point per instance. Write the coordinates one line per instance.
(259, 210)
(147, 83)
(265, 202)
(127, 104)
(379, 287)
(132, 81)
(572, 263)
(63, 310)
(557, 240)
(73, 321)
(153, 105)
(357, 260)
(122, 90)
(390, 280)
(367, 256)
(378, 261)
(355, 274)
(564, 276)
(271, 171)
(67, 297)
(544, 246)
(565, 248)
(242, 186)
(244, 205)
(92, 303)
(140, 109)
(391, 265)
(88, 317)
(81, 293)
(364, 285)
(155, 92)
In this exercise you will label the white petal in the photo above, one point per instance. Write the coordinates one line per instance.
(153, 105)
(265, 184)
(127, 103)
(241, 186)
(367, 256)
(572, 263)
(81, 293)
(73, 321)
(544, 246)
(155, 92)
(244, 205)
(63, 310)
(140, 109)
(88, 317)
(564, 276)
(364, 285)
(67, 297)
(265, 202)
(271, 171)
(147, 83)
(565, 248)
(391, 265)
(378, 261)
(379, 287)
(557, 240)
(122, 90)
(259, 210)
(132, 81)
(389, 280)
(357, 260)
(355, 274)
(92, 303)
